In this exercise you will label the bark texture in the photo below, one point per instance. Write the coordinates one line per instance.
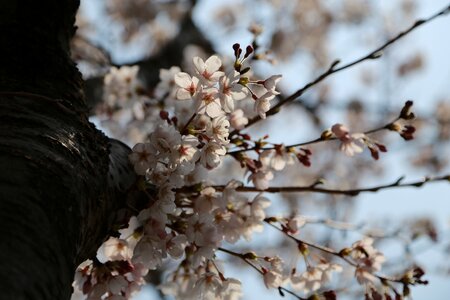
(61, 179)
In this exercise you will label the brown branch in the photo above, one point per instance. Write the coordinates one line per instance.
(245, 259)
(313, 189)
(332, 69)
(332, 252)
(315, 141)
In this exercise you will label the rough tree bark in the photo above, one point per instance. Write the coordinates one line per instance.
(59, 179)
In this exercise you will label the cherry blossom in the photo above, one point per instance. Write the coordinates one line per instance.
(272, 279)
(120, 85)
(208, 102)
(262, 104)
(219, 129)
(114, 249)
(187, 151)
(273, 276)
(208, 286)
(202, 231)
(238, 120)
(230, 90)
(165, 138)
(185, 215)
(143, 157)
(175, 245)
(271, 82)
(208, 70)
(295, 223)
(167, 82)
(351, 143)
(369, 260)
(277, 158)
(309, 281)
(188, 85)
(314, 277)
(211, 154)
(261, 179)
(207, 200)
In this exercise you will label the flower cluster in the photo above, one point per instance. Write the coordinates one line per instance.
(188, 219)
(192, 224)
(368, 260)
(121, 85)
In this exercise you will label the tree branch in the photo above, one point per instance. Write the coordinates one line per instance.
(314, 141)
(313, 189)
(333, 67)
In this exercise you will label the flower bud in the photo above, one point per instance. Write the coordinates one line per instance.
(326, 135)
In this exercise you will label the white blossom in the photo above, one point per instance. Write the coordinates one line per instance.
(201, 230)
(271, 82)
(211, 155)
(295, 223)
(202, 254)
(165, 138)
(231, 289)
(206, 201)
(309, 281)
(120, 85)
(208, 102)
(272, 279)
(175, 245)
(148, 253)
(230, 90)
(368, 259)
(327, 269)
(166, 84)
(208, 70)
(143, 157)
(351, 144)
(219, 129)
(188, 85)
(277, 159)
(208, 286)
(238, 120)
(114, 249)
(262, 104)
(261, 179)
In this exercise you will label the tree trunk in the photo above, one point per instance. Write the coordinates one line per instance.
(59, 180)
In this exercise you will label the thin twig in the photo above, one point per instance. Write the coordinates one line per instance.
(331, 252)
(185, 128)
(313, 189)
(315, 141)
(243, 257)
(332, 69)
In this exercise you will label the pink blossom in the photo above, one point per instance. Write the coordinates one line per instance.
(271, 82)
(261, 179)
(211, 155)
(350, 143)
(208, 102)
(114, 249)
(230, 90)
(143, 157)
(167, 82)
(262, 104)
(208, 70)
(188, 85)
(219, 129)
(238, 120)
(272, 279)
